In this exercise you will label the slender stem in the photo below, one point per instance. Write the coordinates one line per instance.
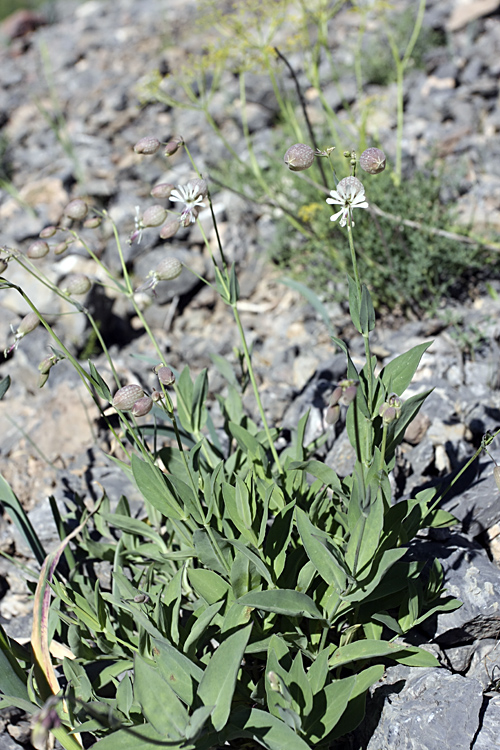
(365, 334)
(255, 387)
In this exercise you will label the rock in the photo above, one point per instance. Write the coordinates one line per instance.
(422, 709)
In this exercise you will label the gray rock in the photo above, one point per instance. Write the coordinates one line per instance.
(489, 731)
(428, 709)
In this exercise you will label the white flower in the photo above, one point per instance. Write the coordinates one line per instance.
(192, 198)
(349, 194)
(139, 226)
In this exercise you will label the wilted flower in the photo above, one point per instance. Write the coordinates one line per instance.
(192, 196)
(350, 194)
(76, 209)
(139, 226)
(299, 157)
(125, 397)
(27, 325)
(37, 249)
(372, 161)
(147, 145)
(166, 270)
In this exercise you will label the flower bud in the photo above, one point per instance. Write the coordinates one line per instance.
(3, 265)
(335, 397)
(174, 145)
(61, 247)
(299, 157)
(47, 232)
(77, 284)
(162, 190)
(154, 216)
(390, 410)
(76, 210)
(156, 396)
(147, 145)
(372, 161)
(27, 324)
(168, 269)
(332, 414)
(93, 222)
(496, 476)
(125, 397)
(46, 364)
(170, 228)
(38, 249)
(42, 379)
(165, 375)
(142, 406)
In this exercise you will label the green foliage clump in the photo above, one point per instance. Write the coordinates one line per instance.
(408, 266)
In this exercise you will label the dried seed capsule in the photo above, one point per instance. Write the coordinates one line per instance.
(142, 406)
(162, 190)
(38, 249)
(299, 157)
(125, 397)
(168, 269)
(76, 209)
(165, 375)
(170, 228)
(173, 145)
(154, 216)
(77, 284)
(47, 232)
(147, 145)
(372, 161)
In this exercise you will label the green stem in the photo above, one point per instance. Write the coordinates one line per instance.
(365, 334)
(255, 387)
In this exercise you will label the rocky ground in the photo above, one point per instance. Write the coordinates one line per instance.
(86, 63)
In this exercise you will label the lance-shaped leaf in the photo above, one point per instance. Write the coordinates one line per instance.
(219, 679)
(260, 726)
(282, 602)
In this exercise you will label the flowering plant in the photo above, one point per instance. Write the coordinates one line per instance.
(259, 593)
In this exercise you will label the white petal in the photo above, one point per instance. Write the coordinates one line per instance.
(336, 216)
